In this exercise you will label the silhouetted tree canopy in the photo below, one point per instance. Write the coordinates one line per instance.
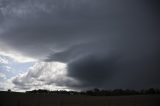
(98, 92)
(9, 90)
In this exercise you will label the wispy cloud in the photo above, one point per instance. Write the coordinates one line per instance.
(2, 75)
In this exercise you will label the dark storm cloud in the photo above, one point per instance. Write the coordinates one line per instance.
(106, 44)
(115, 72)
(49, 24)
(93, 71)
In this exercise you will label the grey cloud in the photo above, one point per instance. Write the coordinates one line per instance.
(114, 72)
(93, 71)
(118, 40)
(67, 24)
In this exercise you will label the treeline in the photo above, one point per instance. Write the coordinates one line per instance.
(98, 92)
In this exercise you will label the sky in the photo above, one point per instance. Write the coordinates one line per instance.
(79, 44)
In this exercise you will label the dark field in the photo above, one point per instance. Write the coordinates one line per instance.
(22, 99)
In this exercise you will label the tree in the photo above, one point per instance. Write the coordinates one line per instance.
(9, 90)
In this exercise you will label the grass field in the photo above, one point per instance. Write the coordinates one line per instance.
(22, 99)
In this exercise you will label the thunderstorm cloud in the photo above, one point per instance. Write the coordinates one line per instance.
(103, 43)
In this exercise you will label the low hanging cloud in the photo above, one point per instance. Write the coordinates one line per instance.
(105, 44)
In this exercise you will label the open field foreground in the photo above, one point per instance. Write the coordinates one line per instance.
(21, 99)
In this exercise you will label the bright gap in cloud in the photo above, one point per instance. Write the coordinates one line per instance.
(17, 57)
(42, 75)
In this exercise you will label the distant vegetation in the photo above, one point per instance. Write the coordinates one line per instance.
(98, 92)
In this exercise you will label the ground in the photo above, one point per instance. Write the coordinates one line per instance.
(23, 99)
